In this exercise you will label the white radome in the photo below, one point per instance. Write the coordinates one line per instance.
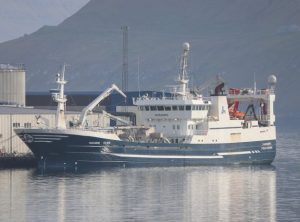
(186, 46)
(272, 80)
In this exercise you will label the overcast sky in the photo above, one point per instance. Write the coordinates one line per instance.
(19, 17)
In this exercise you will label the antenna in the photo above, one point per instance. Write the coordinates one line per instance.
(138, 63)
(125, 63)
(183, 63)
(125, 59)
(61, 99)
(254, 78)
(183, 76)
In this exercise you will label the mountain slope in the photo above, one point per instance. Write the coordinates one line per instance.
(234, 38)
(19, 17)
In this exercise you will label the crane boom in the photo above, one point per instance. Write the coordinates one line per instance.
(89, 108)
(116, 118)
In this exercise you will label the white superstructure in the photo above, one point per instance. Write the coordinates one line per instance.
(186, 117)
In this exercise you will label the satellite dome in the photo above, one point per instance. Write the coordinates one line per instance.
(272, 80)
(186, 46)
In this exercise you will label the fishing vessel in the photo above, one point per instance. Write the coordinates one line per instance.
(182, 128)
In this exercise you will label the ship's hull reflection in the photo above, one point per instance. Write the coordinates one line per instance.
(238, 193)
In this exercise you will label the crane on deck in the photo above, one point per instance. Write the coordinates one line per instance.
(89, 108)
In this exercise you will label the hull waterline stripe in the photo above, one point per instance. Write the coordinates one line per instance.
(88, 152)
(101, 161)
(42, 141)
(234, 153)
(51, 138)
(48, 135)
(84, 146)
(163, 156)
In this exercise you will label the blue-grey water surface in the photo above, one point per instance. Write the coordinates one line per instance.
(205, 193)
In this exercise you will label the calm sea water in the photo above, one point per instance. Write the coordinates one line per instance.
(236, 193)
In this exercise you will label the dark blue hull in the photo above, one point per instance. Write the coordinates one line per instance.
(69, 150)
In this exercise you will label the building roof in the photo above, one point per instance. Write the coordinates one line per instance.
(9, 67)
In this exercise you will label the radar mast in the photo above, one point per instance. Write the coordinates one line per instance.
(183, 75)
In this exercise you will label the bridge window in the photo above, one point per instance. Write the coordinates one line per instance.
(147, 108)
(174, 108)
(188, 108)
(153, 108)
(141, 108)
(168, 108)
(160, 108)
(27, 125)
(181, 107)
(16, 125)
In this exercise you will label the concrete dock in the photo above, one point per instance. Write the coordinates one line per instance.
(17, 161)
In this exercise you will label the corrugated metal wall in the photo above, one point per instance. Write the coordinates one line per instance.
(10, 142)
(12, 86)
